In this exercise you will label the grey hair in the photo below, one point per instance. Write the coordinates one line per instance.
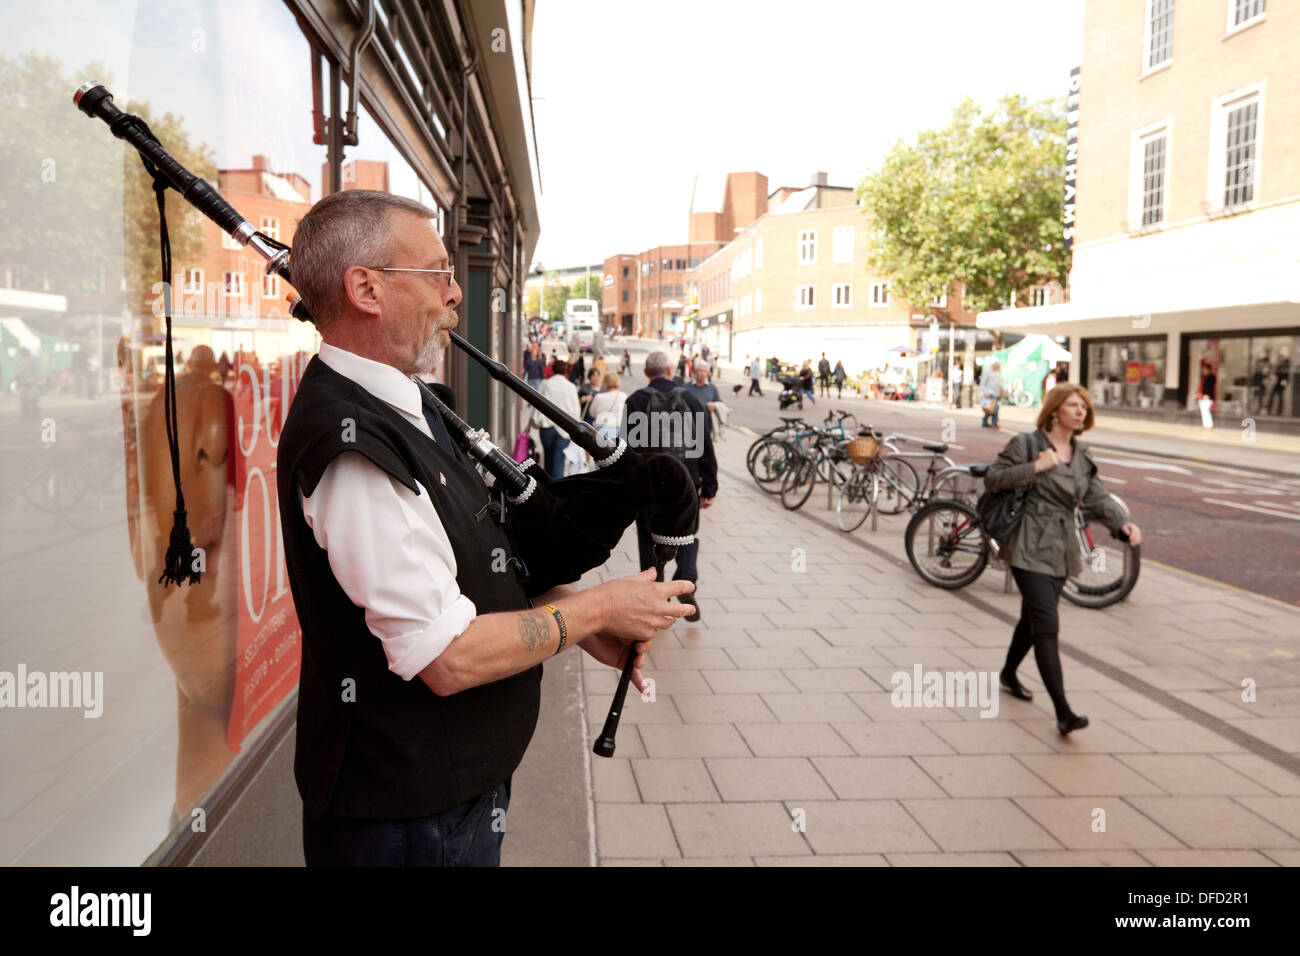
(657, 363)
(701, 363)
(345, 229)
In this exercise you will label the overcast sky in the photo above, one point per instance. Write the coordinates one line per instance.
(633, 100)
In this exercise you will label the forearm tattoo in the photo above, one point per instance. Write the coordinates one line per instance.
(535, 630)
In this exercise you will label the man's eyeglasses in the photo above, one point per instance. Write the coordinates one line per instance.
(449, 273)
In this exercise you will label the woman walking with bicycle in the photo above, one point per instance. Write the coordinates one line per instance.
(1059, 473)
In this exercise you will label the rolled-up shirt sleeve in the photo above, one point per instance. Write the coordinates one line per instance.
(391, 555)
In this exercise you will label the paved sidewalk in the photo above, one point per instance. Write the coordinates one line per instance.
(772, 739)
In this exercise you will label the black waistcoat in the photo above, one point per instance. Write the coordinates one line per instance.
(396, 750)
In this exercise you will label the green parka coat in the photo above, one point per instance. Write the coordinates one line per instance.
(1045, 540)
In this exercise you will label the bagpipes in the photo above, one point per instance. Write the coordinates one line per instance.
(561, 528)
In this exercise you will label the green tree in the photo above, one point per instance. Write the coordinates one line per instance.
(978, 201)
(588, 287)
(554, 295)
(77, 206)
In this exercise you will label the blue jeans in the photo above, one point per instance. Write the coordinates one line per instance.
(466, 835)
(991, 415)
(553, 444)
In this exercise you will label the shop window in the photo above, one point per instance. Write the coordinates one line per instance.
(1126, 373)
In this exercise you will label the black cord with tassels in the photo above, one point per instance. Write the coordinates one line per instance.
(178, 563)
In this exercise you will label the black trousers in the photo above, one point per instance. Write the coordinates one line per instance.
(753, 387)
(1038, 628)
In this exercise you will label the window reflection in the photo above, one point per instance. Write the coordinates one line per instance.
(190, 673)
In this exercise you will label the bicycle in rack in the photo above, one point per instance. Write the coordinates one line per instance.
(948, 548)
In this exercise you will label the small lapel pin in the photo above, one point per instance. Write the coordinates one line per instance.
(442, 478)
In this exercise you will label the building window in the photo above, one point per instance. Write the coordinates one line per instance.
(666, 265)
(193, 280)
(807, 247)
(939, 301)
(807, 299)
(758, 253)
(270, 225)
(843, 248)
(1125, 373)
(758, 300)
(625, 295)
(1242, 13)
(1038, 296)
(228, 241)
(1239, 181)
(1154, 151)
(625, 272)
(270, 287)
(234, 284)
(879, 294)
(1159, 34)
(843, 295)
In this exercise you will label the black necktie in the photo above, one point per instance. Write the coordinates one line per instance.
(441, 437)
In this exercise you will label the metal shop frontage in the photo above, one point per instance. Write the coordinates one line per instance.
(151, 724)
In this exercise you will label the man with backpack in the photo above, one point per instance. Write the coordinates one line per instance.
(668, 418)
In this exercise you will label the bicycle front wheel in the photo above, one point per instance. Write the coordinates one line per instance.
(771, 460)
(798, 483)
(854, 500)
(899, 485)
(1109, 572)
(945, 545)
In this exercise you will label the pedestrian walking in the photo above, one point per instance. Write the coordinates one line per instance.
(839, 375)
(1059, 473)
(1206, 393)
(659, 397)
(957, 377)
(824, 375)
(534, 367)
(991, 392)
(563, 393)
(606, 408)
(774, 369)
(625, 364)
(754, 373)
(806, 381)
(708, 396)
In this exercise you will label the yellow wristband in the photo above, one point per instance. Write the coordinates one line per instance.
(559, 619)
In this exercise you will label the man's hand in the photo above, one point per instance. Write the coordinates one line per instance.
(612, 651)
(707, 502)
(1134, 533)
(637, 607)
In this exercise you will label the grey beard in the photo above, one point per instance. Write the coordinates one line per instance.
(430, 357)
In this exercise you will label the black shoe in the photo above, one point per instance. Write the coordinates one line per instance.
(1015, 688)
(1077, 722)
(690, 599)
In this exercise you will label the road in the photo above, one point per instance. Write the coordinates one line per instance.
(1230, 525)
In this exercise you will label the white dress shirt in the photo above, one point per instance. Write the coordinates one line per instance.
(564, 394)
(386, 546)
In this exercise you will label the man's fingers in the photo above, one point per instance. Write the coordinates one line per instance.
(673, 588)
